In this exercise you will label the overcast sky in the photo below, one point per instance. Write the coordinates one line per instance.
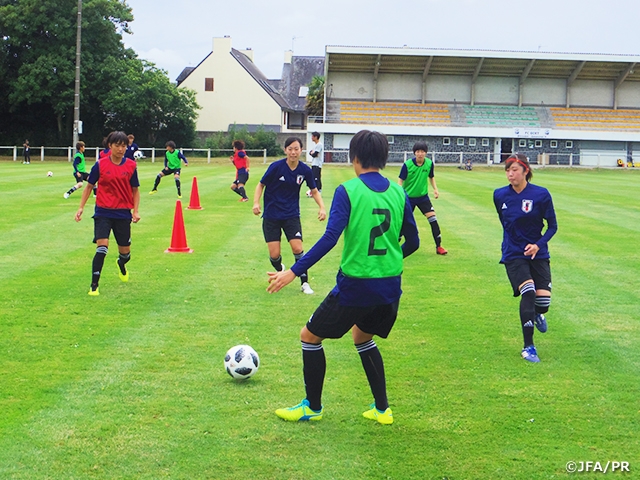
(177, 34)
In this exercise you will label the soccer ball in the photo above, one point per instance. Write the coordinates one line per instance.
(308, 194)
(241, 362)
(49, 173)
(138, 155)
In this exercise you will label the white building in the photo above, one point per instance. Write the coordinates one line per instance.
(231, 89)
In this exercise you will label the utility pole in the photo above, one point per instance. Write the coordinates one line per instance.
(76, 99)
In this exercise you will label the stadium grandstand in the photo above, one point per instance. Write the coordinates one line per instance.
(557, 108)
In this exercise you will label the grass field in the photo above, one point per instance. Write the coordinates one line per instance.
(130, 384)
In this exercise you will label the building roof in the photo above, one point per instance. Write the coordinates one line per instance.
(296, 74)
(574, 66)
(184, 74)
(259, 77)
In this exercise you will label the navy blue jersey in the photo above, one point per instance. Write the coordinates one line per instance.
(131, 150)
(360, 292)
(282, 189)
(522, 216)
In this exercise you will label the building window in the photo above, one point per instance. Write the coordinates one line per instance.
(446, 141)
(569, 144)
(522, 142)
(208, 84)
(460, 141)
(472, 142)
(553, 144)
(390, 139)
(485, 142)
(538, 143)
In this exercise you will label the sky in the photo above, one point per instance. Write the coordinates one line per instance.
(175, 35)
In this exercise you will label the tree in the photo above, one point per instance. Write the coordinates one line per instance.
(147, 103)
(315, 97)
(37, 69)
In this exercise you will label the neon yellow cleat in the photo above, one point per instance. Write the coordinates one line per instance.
(153, 192)
(94, 293)
(300, 413)
(125, 277)
(385, 418)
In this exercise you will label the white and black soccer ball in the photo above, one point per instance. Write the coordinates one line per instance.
(138, 155)
(308, 193)
(241, 362)
(49, 173)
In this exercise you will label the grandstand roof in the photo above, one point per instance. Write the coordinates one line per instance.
(408, 60)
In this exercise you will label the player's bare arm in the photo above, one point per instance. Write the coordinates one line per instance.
(322, 213)
(135, 216)
(256, 198)
(83, 200)
(432, 180)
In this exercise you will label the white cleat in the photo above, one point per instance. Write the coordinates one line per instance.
(66, 195)
(305, 288)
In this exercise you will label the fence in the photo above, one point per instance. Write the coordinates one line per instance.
(585, 159)
(582, 159)
(152, 153)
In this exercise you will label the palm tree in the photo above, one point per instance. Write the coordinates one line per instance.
(315, 97)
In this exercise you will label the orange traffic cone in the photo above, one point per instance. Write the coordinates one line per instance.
(194, 201)
(179, 236)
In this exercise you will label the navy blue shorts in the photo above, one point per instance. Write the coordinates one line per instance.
(272, 229)
(332, 320)
(82, 178)
(121, 228)
(424, 204)
(168, 171)
(520, 270)
(243, 178)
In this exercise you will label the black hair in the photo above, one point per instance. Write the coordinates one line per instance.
(238, 144)
(315, 134)
(290, 140)
(371, 149)
(170, 144)
(522, 160)
(115, 138)
(420, 145)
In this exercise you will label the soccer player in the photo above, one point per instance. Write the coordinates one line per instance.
(413, 178)
(317, 155)
(79, 169)
(373, 213)
(523, 208)
(241, 161)
(172, 158)
(116, 206)
(281, 184)
(132, 148)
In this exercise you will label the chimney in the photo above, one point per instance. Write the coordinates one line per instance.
(288, 55)
(222, 44)
(248, 52)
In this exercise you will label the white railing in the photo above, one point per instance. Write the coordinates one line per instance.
(592, 160)
(152, 153)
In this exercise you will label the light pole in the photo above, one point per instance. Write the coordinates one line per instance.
(76, 99)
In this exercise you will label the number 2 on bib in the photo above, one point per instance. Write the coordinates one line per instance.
(379, 231)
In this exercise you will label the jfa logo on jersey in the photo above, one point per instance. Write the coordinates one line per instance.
(527, 205)
(299, 179)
